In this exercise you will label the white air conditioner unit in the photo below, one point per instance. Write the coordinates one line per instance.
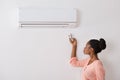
(57, 17)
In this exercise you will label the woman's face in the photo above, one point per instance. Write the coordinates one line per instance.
(87, 48)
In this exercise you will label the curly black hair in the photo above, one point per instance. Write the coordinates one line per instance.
(97, 45)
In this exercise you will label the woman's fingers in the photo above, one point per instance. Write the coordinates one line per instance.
(70, 40)
(73, 39)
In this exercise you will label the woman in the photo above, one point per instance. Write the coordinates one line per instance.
(92, 67)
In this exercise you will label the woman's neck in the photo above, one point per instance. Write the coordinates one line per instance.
(93, 57)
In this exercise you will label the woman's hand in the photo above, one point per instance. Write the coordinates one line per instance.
(73, 41)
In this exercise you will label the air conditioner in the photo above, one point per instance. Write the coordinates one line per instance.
(57, 17)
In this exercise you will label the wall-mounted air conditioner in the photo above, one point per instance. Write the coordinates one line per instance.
(57, 17)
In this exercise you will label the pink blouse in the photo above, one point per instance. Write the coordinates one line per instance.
(93, 71)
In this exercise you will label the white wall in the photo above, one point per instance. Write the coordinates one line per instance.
(43, 54)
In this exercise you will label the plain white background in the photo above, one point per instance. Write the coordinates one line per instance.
(44, 53)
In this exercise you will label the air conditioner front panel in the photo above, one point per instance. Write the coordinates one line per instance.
(38, 16)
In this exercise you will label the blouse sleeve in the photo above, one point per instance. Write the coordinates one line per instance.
(78, 63)
(100, 73)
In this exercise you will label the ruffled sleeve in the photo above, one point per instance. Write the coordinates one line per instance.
(78, 63)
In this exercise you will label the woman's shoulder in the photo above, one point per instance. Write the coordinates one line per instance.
(98, 62)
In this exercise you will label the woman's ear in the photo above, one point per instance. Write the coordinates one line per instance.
(91, 49)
